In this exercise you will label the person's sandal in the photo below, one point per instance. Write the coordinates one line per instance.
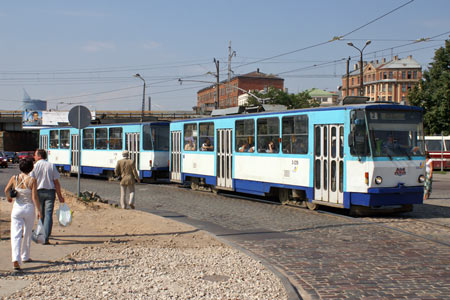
(17, 267)
(27, 261)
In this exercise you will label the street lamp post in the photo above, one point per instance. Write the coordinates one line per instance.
(143, 96)
(361, 88)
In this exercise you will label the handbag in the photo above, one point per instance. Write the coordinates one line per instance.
(13, 192)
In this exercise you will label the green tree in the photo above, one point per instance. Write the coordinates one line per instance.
(433, 93)
(277, 96)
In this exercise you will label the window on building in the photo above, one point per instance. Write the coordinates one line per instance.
(384, 75)
(409, 74)
(245, 135)
(64, 136)
(115, 138)
(88, 138)
(101, 138)
(206, 136)
(391, 75)
(390, 87)
(403, 75)
(190, 137)
(384, 87)
(409, 86)
(373, 77)
(403, 87)
(389, 98)
(268, 135)
(294, 138)
(353, 79)
(414, 74)
(54, 139)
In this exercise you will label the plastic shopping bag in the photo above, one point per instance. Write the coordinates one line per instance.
(38, 235)
(64, 215)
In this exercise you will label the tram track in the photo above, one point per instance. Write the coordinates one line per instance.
(382, 222)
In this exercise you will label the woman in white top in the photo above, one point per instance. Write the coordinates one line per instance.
(23, 212)
(429, 177)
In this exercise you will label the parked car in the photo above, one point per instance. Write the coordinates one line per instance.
(3, 160)
(11, 157)
(25, 154)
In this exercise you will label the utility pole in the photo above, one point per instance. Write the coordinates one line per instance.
(348, 76)
(216, 105)
(230, 55)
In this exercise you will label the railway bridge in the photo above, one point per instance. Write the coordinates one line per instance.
(13, 137)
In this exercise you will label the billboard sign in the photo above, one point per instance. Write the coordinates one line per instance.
(43, 119)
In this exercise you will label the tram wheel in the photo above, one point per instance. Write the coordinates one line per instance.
(283, 196)
(194, 186)
(312, 206)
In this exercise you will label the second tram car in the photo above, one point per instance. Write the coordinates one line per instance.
(102, 146)
(368, 155)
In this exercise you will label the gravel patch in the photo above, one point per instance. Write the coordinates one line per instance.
(143, 271)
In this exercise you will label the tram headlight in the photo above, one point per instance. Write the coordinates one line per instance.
(421, 179)
(378, 180)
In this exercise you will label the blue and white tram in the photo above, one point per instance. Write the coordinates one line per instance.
(336, 156)
(102, 146)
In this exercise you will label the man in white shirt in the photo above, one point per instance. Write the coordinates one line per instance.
(47, 187)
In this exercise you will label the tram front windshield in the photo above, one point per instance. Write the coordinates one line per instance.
(395, 133)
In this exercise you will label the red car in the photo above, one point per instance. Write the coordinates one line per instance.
(3, 161)
(25, 154)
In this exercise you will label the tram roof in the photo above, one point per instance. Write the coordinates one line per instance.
(388, 106)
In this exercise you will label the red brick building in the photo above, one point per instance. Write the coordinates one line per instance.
(384, 80)
(228, 93)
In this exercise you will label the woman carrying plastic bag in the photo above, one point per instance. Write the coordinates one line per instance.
(23, 212)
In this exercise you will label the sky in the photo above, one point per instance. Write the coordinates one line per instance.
(86, 52)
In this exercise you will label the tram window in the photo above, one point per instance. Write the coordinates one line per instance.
(155, 138)
(115, 138)
(54, 139)
(101, 138)
(64, 139)
(245, 135)
(294, 137)
(190, 137)
(88, 139)
(358, 140)
(268, 130)
(206, 136)
(341, 142)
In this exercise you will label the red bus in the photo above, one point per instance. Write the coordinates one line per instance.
(439, 149)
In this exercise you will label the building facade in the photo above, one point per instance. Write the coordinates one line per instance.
(323, 97)
(229, 93)
(384, 80)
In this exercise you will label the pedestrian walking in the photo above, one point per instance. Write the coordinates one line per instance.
(48, 186)
(428, 176)
(23, 188)
(126, 169)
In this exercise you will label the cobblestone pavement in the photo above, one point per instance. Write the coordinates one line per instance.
(326, 256)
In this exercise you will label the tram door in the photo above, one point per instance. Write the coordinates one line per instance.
(329, 163)
(74, 154)
(224, 158)
(175, 156)
(132, 145)
(44, 142)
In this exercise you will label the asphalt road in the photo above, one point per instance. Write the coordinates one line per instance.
(325, 255)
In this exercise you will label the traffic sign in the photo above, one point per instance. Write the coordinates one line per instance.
(79, 117)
